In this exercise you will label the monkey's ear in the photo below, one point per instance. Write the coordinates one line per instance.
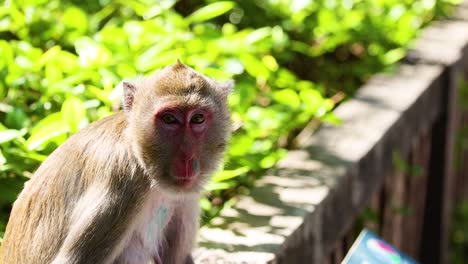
(226, 87)
(129, 90)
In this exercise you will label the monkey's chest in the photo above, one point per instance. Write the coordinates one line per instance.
(146, 240)
(152, 231)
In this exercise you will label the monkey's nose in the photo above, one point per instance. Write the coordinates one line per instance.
(187, 167)
(191, 167)
(186, 158)
(195, 166)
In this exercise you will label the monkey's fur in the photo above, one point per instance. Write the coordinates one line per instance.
(107, 194)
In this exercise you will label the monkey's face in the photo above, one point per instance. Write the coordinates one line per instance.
(181, 132)
(186, 145)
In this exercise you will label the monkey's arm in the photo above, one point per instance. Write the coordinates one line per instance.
(98, 226)
(181, 233)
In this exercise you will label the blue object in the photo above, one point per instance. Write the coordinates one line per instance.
(371, 249)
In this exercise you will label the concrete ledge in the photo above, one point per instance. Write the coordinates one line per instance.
(298, 210)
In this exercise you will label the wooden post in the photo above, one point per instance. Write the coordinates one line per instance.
(439, 198)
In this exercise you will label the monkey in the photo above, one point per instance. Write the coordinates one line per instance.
(125, 189)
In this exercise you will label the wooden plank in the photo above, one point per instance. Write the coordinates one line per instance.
(329, 260)
(394, 204)
(453, 84)
(464, 176)
(416, 197)
(348, 241)
(387, 214)
(399, 208)
(441, 178)
(374, 207)
(339, 254)
(461, 185)
(409, 200)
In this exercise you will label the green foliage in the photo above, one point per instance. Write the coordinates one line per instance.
(459, 235)
(401, 165)
(363, 37)
(62, 59)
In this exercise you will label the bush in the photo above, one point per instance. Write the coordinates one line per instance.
(61, 62)
(459, 234)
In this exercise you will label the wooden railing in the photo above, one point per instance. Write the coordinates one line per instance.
(388, 167)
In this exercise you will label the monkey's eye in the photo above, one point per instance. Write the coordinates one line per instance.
(169, 118)
(197, 119)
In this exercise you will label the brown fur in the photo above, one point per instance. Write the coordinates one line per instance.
(82, 203)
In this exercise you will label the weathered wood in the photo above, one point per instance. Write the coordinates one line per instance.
(349, 240)
(432, 235)
(375, 207)
(453, 83)
(393, 211)
(461, 191)
(441, 177)
(416, 198)
(338, 254)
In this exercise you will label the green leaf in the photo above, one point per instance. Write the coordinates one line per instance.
(75, 18)
(68, 61)
(49, 55)
(50, 129)
(331, 118)
(205, 204)
(213, 186)
(64, 84)
(268, 162)
(393, 56)
(2, 159)
(151, 56)
(257, 35)
(312, 99)
(9, 188)
(74, 114)
(9, 134)
(211, 11)
(229, 174)
(254, 66)
(53, 72)
(287, 97)
(240, 145)
(16, 118)
(49, 119)
(91, 53)
(270, 62)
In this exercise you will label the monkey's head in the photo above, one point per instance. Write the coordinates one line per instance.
(178, 125)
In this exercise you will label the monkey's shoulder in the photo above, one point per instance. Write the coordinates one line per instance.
(107, 131)
(91, 152)
(100, 141)
(112, 125)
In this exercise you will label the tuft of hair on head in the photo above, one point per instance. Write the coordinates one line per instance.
(178, 65)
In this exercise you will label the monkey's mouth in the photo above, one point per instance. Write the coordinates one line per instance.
(183, 182)
(186, 171)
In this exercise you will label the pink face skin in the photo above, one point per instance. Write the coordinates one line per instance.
(185, 129)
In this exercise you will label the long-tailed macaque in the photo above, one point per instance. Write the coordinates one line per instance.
(125, 189)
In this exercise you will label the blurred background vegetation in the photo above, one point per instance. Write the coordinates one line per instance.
(292, 60)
